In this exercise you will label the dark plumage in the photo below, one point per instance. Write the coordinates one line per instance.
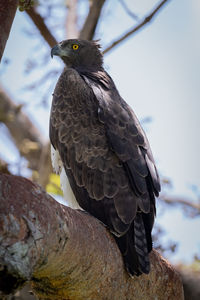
(104, 150)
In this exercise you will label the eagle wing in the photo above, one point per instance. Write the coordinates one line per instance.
(127, 138)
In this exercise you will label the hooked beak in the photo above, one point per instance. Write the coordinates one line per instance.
(56, 51)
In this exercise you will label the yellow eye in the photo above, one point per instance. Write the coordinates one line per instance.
(75, 47)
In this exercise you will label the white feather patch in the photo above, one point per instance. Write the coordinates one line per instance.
(67, 191)
(56, 161)
(68, 194)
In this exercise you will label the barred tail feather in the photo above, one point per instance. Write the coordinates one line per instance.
(134, 248)
(141, 246)
(127, 249)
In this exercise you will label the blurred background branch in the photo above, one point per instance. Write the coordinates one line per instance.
(139, 26)
(71, 20)
(26, 136)
(39, 22)
(89, 27)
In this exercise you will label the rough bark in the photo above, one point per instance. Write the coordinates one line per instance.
(67, 254)
(7, 13)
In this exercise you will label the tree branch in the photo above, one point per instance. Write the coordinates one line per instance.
(92, 19)
(87, 31)
(186, 203)
(71, 22)
(7, 14)
(127, 10)
(190, 278)
(25, 135)
(27, 138)
(4, 167)
(136, 28)
(41, 26)
(67, 254)
(44, 166)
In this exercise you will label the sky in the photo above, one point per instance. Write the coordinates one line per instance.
(156, 72)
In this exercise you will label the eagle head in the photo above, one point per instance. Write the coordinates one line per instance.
(77, 53)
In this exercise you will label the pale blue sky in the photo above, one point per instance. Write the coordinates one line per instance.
(157, 72)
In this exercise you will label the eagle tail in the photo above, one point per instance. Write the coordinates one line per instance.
(141, 246)
(134, 248)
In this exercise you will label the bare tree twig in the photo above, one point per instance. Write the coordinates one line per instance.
(92, 19)
(144, 22)
(40, 82)
(68, 254)
(42, 27)
(71, 22)
(127, 10)
(173, 200)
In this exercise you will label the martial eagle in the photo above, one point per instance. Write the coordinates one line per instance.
(102, 152)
